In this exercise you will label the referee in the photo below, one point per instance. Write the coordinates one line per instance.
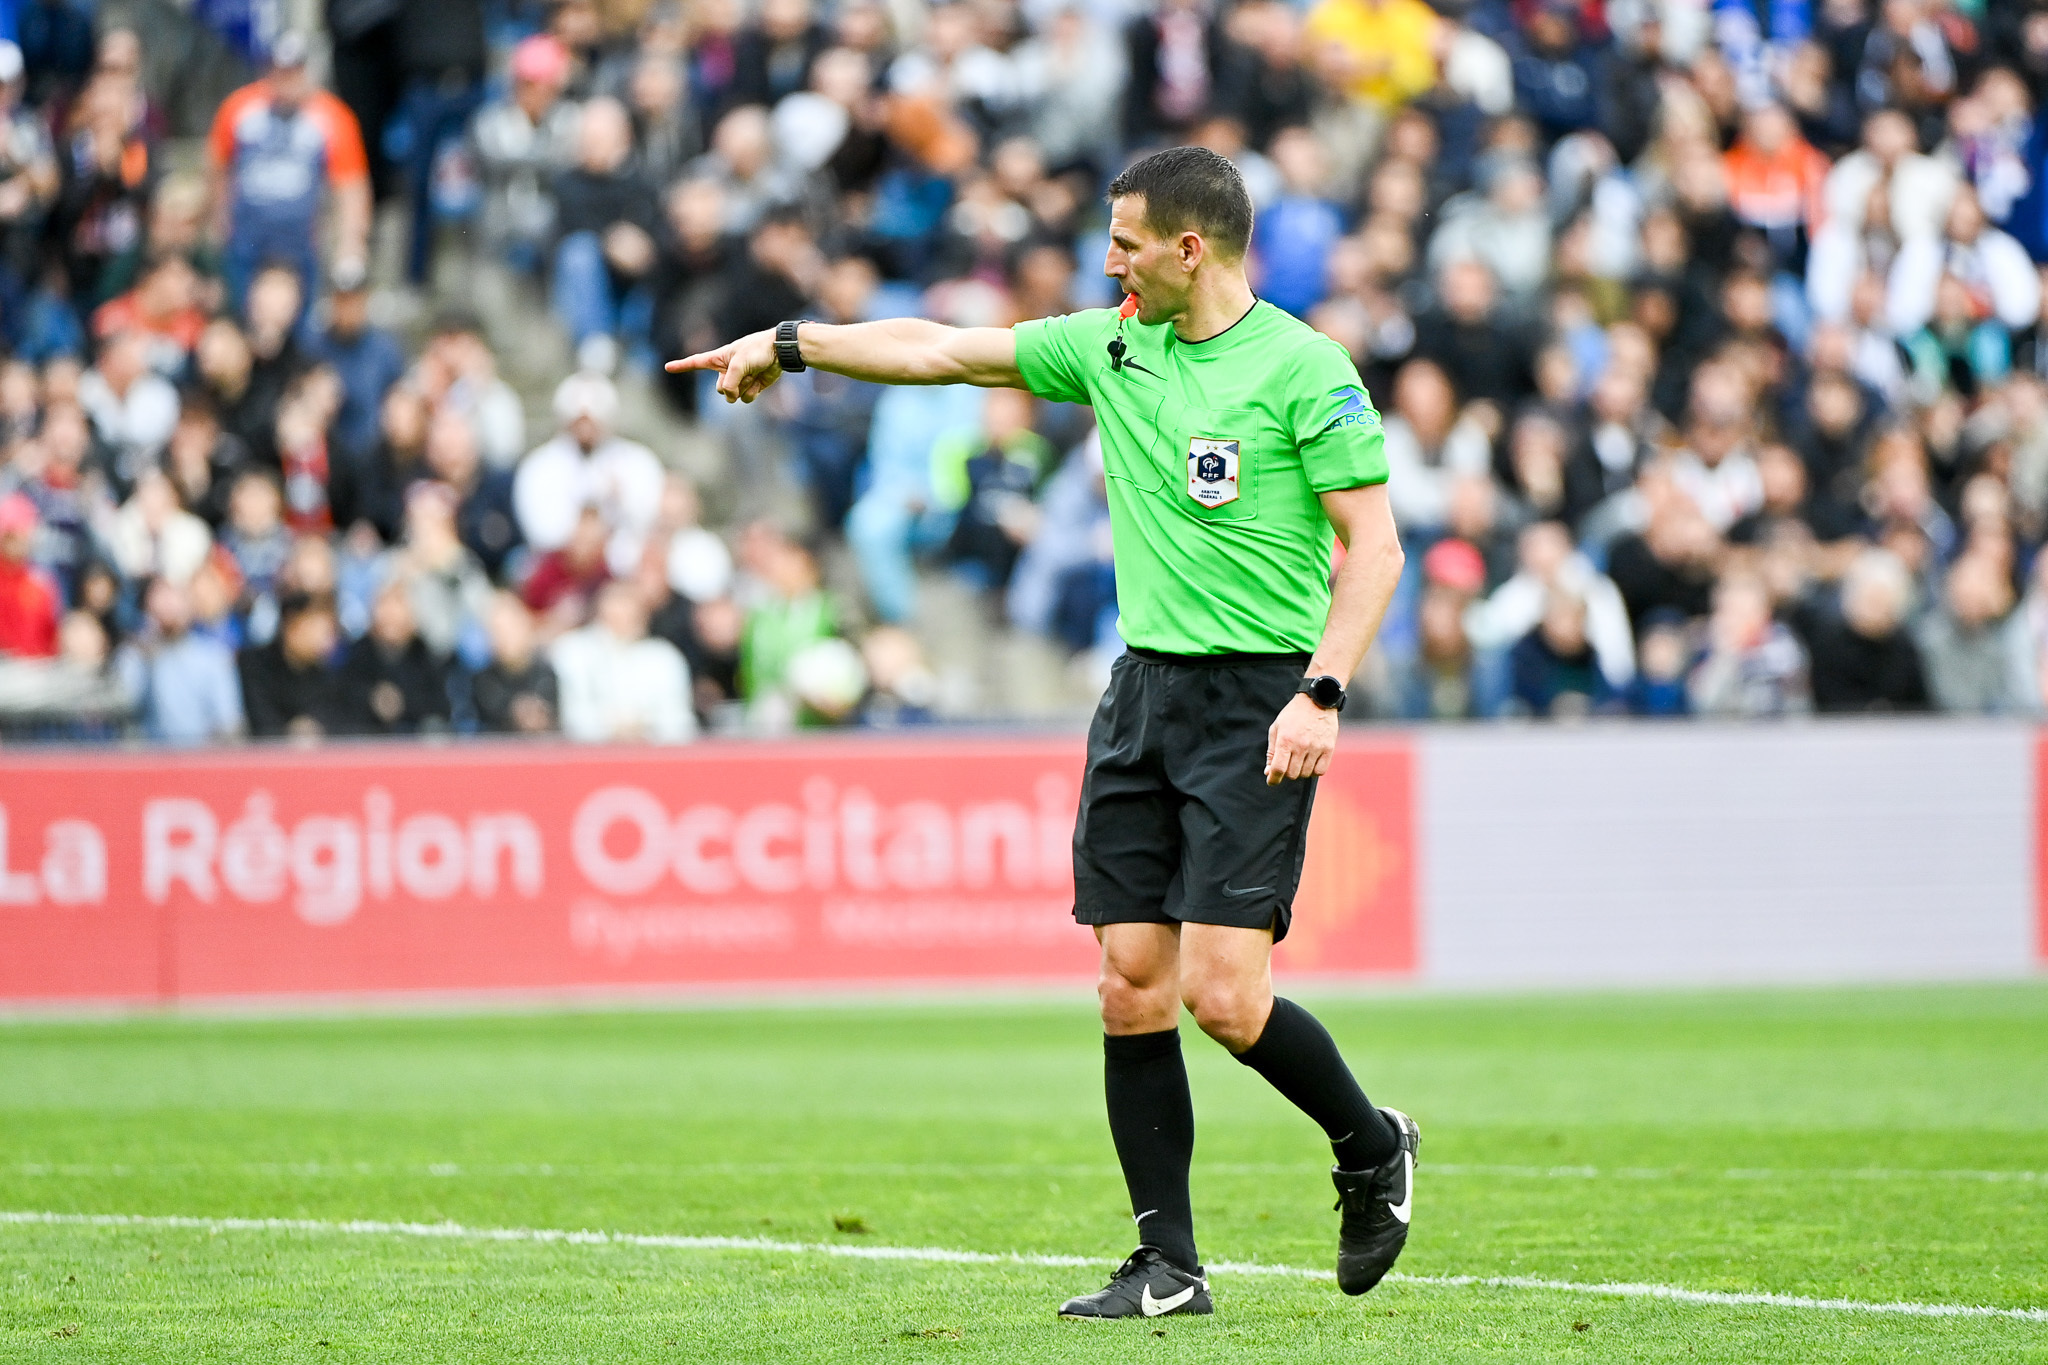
(1234, 439)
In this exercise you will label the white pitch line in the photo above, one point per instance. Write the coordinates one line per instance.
(988, 1170)
(950, 1256)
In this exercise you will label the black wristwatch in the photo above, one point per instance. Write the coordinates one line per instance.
(788, 354)
(1325, 691)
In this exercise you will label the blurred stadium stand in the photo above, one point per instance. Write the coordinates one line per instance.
(1707, 335)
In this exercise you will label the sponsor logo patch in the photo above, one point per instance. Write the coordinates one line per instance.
(1212, 471)
(1353, 410)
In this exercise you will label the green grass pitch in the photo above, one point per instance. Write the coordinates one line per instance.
(1878, 1146)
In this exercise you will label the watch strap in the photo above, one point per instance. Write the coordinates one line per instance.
(788, 354)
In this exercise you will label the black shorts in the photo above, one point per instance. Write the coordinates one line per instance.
(1177, 824)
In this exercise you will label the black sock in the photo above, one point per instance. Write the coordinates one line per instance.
(1298, 1056)
(1152, 1119)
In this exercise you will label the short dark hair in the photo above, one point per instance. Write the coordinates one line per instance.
(1191, 187)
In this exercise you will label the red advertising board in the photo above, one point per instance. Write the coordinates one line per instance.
(544, 868)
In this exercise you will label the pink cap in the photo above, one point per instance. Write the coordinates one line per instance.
(17, 514)
(1455, 564)
(540, 59)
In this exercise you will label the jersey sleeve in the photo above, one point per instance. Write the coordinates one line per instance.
(1050, 350)
(1335, 425)
(347, 160)
(220, 139)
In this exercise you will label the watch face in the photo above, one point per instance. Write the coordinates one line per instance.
(1327, 692)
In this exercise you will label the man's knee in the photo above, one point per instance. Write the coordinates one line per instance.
(1230, 1011)
(1135, 1005)
(1140, 983)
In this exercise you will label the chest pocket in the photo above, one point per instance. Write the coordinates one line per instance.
(1131, 400)
(1216, 460)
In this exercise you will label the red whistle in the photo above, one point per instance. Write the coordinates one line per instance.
(1130, 306)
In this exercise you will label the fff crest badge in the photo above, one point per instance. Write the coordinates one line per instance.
(1212, 471)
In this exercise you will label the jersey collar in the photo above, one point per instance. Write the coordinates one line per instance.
(1196, 347)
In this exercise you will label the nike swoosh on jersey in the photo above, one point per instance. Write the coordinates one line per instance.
(1245, 891)
(1154, 1307)
(1407, 1204)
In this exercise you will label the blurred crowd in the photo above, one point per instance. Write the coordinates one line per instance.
(1707, 334)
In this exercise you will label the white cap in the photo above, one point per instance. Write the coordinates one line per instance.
(586, 395)
(10, 62)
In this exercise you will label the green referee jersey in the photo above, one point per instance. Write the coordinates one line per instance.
(1215, 452)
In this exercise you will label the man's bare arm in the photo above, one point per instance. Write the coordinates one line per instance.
(1364, 520)
(1304, 736)
(892, 351)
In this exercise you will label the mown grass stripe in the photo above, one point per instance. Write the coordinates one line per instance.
(951, 1256)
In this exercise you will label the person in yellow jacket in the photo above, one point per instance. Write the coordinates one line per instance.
(1385, 50)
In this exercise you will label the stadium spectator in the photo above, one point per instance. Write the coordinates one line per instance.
(515, 693)
(28, 599)
(565, 580)
(1914, 191)
(1503, 227)
(439, 47)
(259, 545)
(367, 359)
(587, 465)
(392, 679)
(1429, 446)
(1970, 645)
(153, 537)
(697, 563)
(1382, 52)
(1672, 562)
(459, 371)
(988, 479)
(1777, 182)
(902, 690)
(1753, 666)
(1294, 234)
(28, 167)
(484, 516)
(446, 585)
(202, 460)
(1552, 583)
(372, 490)
(897, 518)
(163, 306)
(289, 686)
(54, 474)
(606, 219)
(184, 682)
(793, 611)
(133, 409)
(1480, 348)
(1864, 659)
(522, 141)
(103, 194)
(1553, 670)
(1436, 681)
(75, 697)
(619, 685)
(276, 144)
(1993, 270)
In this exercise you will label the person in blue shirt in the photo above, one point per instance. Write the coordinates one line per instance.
(1294, 235)
(184, 682)
(367, 359)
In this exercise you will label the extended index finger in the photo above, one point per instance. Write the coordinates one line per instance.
(703, 360)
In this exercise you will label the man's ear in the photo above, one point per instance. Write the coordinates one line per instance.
(1192, 250)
